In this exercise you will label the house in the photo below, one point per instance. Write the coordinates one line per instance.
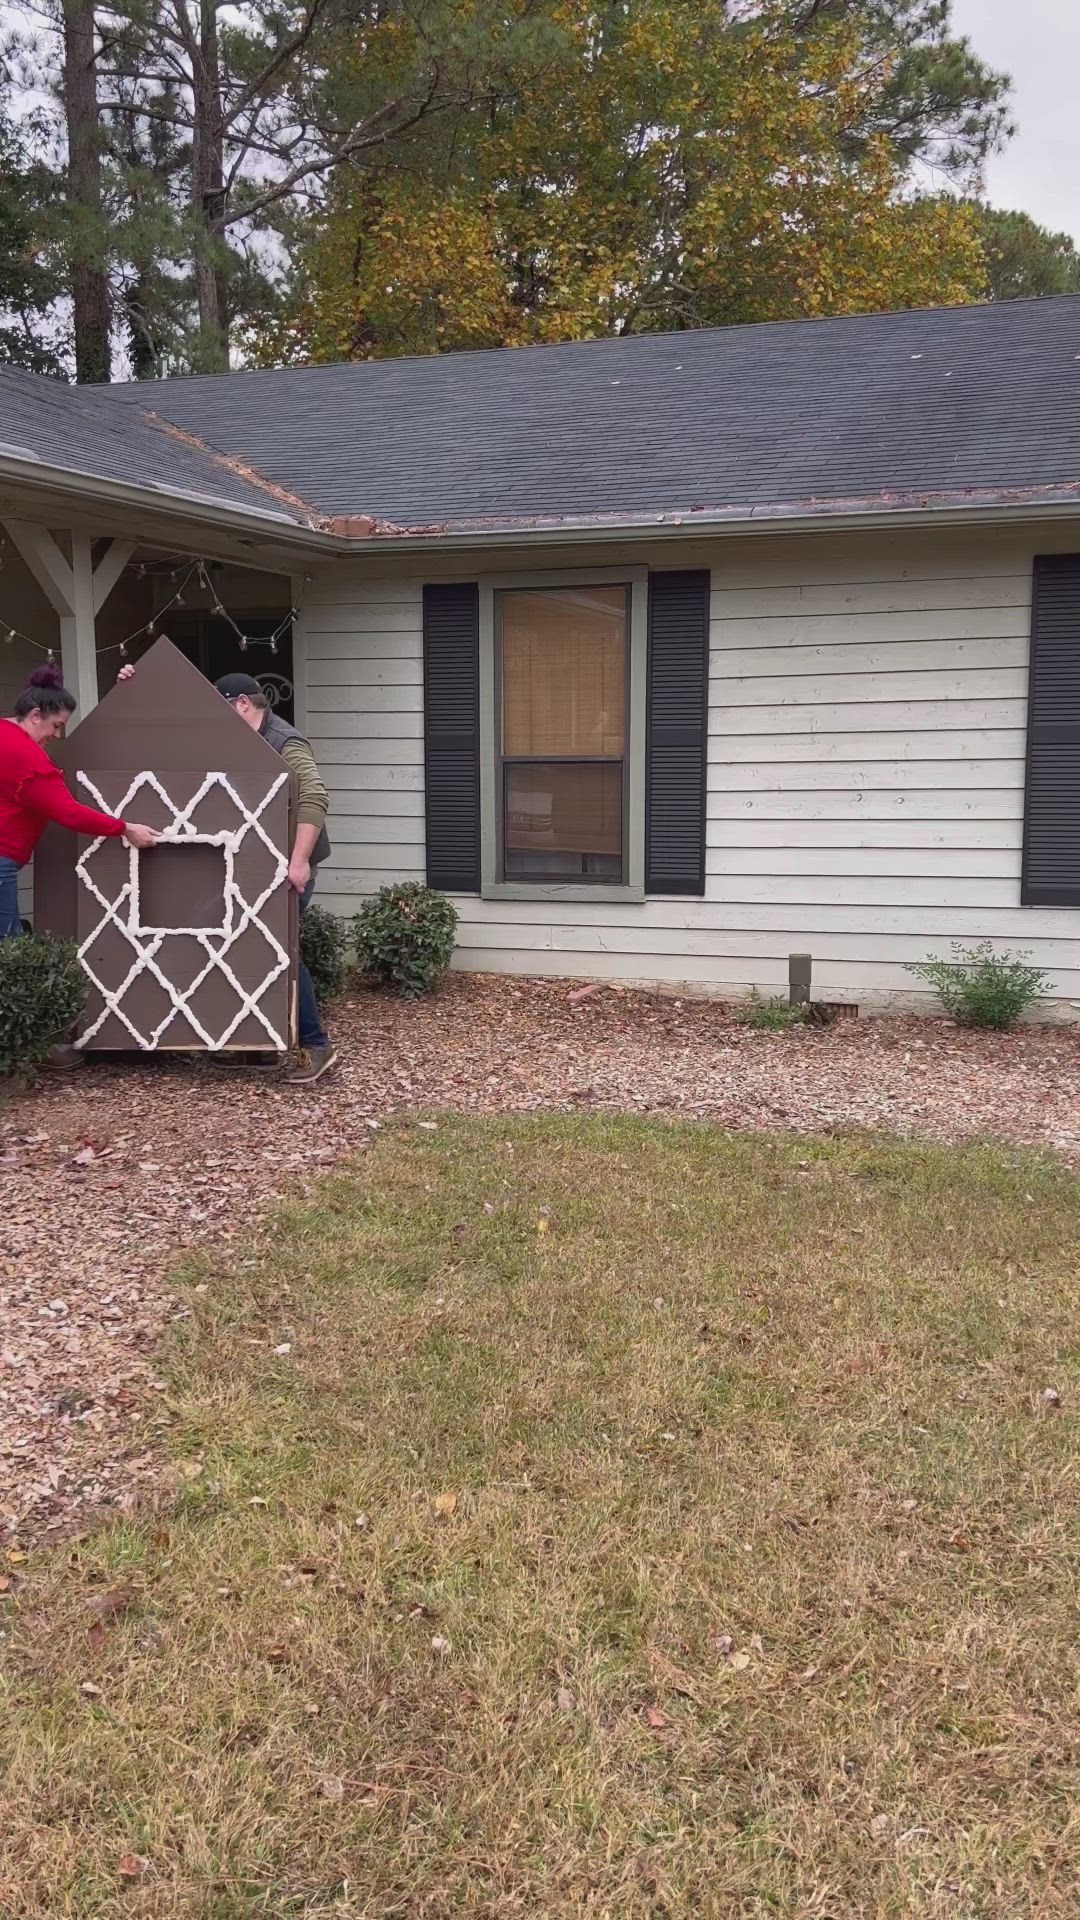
(665, 656)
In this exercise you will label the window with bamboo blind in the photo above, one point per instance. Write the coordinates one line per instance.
(563, 686)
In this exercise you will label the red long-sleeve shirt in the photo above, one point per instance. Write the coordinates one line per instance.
(32, 792)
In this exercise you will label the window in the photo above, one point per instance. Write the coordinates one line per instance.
(566, 734)
(562, 703)
(182, 886)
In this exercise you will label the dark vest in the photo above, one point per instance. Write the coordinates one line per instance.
(275, 732)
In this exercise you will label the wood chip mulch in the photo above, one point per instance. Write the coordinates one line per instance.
(110, 1174)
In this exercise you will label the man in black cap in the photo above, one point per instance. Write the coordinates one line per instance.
(310, 847)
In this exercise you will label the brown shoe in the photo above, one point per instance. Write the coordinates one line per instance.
(311, 1065)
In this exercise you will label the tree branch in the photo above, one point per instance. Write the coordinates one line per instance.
(380, 128)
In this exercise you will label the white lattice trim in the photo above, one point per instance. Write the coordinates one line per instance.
(146, 943)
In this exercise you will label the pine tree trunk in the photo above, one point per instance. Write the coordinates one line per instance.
(208, 200)
(89, 280)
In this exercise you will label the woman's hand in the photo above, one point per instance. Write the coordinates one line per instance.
(125, 673)
(141, 837)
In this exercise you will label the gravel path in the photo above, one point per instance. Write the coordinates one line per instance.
(107, 1176)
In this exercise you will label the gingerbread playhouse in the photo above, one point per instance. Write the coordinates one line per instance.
(193, 944)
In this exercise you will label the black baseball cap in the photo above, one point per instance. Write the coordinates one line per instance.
(232, 685)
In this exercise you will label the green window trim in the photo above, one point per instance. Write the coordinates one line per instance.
(636, 579)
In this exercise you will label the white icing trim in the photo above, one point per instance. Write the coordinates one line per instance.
(146, 942)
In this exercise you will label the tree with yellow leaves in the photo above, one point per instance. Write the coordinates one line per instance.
(657, 164)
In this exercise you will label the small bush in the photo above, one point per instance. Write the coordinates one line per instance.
(324, 946)
(42, 990)
(405, 936)
(981, 988)
(775, 1015)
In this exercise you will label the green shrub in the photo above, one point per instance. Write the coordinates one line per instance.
(775, 1015)
(42, 990)
(981, 988)
(405, 936)
(324, 945)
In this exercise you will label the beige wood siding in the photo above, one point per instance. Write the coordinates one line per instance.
(866, 766)
(360, 689)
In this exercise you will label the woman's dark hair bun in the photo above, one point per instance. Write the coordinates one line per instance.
(49, 676)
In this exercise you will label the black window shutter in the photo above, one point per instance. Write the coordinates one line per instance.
(1051, 867)
(452, 736)
(676, 753)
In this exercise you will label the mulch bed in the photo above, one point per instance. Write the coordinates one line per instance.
(110, 1175)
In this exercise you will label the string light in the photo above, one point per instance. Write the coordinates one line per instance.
(192, 570)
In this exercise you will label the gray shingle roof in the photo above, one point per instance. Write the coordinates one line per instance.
(849, 409)
(84, 428)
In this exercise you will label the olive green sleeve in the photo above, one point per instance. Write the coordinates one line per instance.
(313, 799)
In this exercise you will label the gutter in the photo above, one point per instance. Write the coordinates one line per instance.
(738, 523)
(360, 536)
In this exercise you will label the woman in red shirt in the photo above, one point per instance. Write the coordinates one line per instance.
(32, 789)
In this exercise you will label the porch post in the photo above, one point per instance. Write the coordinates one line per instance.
(78, 591)
(78, 639)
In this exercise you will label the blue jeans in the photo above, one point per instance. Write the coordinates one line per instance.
(312, 1032)
(10, 921)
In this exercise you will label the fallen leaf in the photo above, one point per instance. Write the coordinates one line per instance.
(258, 1501)
(446, 1504)
(656, 1719)
(285, 1347)
(277, 1656)
(97, 1636)
(107, 1605)
(131, 1866)
(16, 1559)
(1051, 1396)
(565, 1701)
(331, 1786)
(361, 1521)
(84, 1157)
(738, 1662)
(880, 1823)
(92, 1692)
(723, 1643)
(440, 1645)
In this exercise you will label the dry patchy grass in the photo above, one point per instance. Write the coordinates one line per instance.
(586, 1517)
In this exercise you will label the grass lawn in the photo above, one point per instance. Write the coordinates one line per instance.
(586, 1517)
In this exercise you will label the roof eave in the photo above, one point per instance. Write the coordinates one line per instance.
(1012, 506)
(819, 516)
(38, 477)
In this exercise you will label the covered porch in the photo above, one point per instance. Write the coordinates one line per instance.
(95, 605)
(92, 589)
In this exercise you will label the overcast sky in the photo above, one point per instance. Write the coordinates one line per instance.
(1038, 42)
